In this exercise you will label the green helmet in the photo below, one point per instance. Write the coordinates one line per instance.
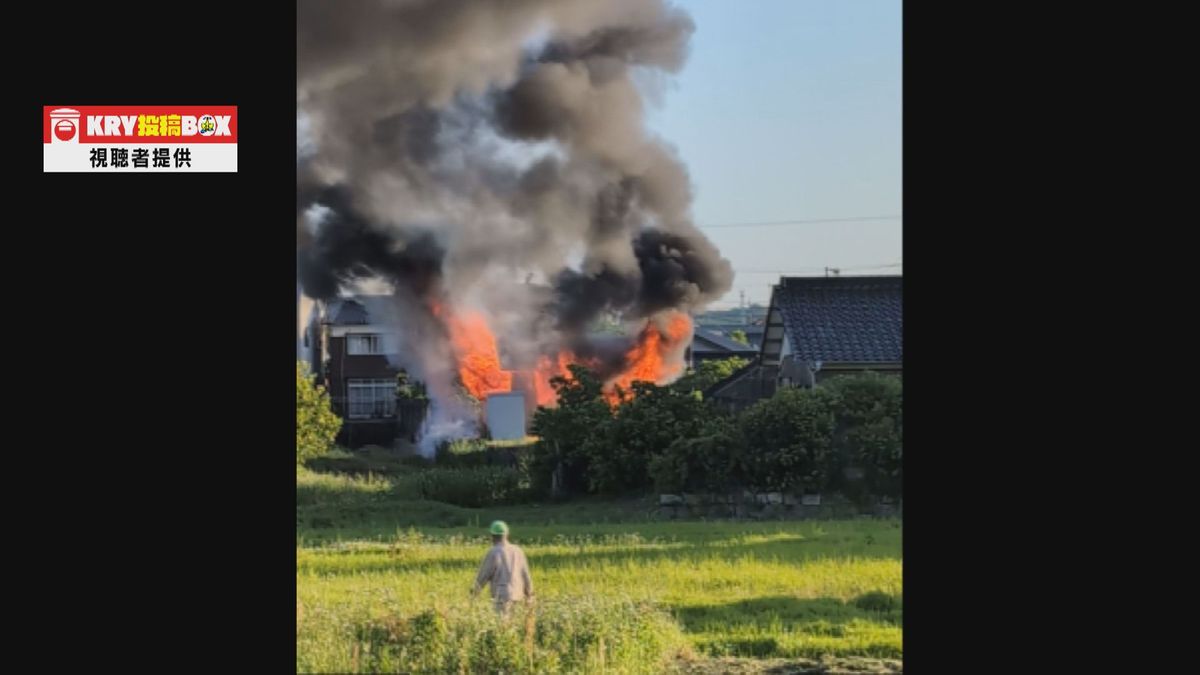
(499, 527)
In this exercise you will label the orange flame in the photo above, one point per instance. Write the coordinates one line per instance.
(655, 357)
(547, 369)
(478, 358)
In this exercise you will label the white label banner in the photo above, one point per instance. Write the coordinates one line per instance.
(130, 158)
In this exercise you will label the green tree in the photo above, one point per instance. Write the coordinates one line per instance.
(868, 433)
(708, 373)
(789, 439)
(620, 452)
(739, 336)
(564, 430)
(712, 461)
(316, 424)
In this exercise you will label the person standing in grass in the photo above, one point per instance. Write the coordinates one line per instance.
(506, 569)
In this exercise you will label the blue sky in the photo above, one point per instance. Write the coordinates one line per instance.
(786, 110)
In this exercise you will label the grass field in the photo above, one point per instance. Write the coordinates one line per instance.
(382, 585)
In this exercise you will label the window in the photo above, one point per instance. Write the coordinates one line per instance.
(363, 344)
(371, 398)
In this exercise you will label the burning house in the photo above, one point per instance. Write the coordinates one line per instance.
(490, 163)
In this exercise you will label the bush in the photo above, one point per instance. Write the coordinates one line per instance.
(710, 462)
(461, 452)
(472, 487)
(619, 452)
(669, 438)
(316, 424)
(869, 429)
(375, 460)
(789, 440)
(472, 452)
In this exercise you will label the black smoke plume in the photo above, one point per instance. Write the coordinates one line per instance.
(455, 148)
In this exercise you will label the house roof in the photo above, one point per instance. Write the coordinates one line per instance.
(358, 310)
(709, 341)
(842, 319)
(755, 336)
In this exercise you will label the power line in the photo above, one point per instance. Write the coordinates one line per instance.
(796, 271)
(720, 305)
(875, 267)
(773, 223)
(805, 270)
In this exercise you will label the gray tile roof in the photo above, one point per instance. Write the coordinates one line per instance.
(709, 341)
(360, 310)
(842, 319)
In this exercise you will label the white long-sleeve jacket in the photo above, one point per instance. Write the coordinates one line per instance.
(506, 569)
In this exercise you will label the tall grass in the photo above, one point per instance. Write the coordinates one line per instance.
(386, 569)
(473, 487)
(592, 635)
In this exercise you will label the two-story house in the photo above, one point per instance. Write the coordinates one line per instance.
(353, 352)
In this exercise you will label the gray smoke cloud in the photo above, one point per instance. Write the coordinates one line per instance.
(456, 148)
